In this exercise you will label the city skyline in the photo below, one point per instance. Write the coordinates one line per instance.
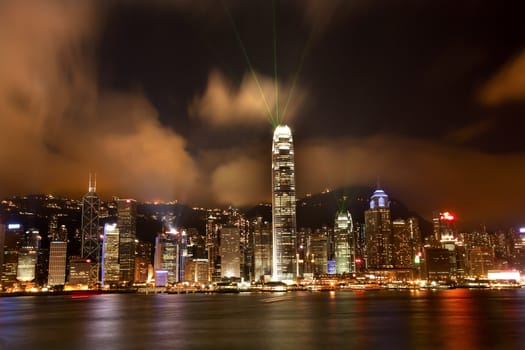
(158, 99)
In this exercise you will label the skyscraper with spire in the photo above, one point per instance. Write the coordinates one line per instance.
(90, 223)
(378, 230)
(283, 205)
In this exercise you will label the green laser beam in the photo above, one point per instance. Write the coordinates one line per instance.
(247, 58)
(276, 80)
(296, 75)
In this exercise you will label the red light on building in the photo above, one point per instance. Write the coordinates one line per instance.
(358, 261)
(128, 201)
(447, 216)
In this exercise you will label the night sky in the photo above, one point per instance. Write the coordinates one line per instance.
(158, 98)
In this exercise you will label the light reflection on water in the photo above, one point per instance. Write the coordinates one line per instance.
(451, 319)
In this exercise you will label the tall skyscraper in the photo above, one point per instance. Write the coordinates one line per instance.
(318, 248)
(26, 269)
(57, 263)
(2, 242)
(344, 243)
(378, 229)
(212, 246)
(127, 228)
(167, 256)
(283, 205)
(142, 261)
(444, 227)
(12, 242)
(403, 251)
(262, 248)
(110, 255)
(230, 251)
(56, 269)
(90, 226)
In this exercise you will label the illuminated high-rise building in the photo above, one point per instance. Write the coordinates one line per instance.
(90, 228)
(283, 205)
(230, 251)
(196, 271)
(56, 269)
(79, 271)
(127, 229)
(167, 256)
(318, 248)
(142, 261)
(246, 246)
(446, 236)
(378, 231)
(212, 246)
(12, 242)
(110, 255)
(406, 242)
(444, 227)
(481, 260)
(2, 241)
(57, 263)
(262, 248)
(344, 243)
(27, 255)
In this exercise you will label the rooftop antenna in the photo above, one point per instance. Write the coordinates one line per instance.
(92, 184)
(342, 203)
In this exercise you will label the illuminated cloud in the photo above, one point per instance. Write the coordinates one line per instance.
(58, 125)
(241, 181)
(423, 174)
(320, 14)
(507, 85)
(471, 131)
(225, 104)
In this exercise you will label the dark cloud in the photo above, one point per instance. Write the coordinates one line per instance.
(507, 85)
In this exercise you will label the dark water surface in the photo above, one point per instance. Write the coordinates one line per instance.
(448, 319)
